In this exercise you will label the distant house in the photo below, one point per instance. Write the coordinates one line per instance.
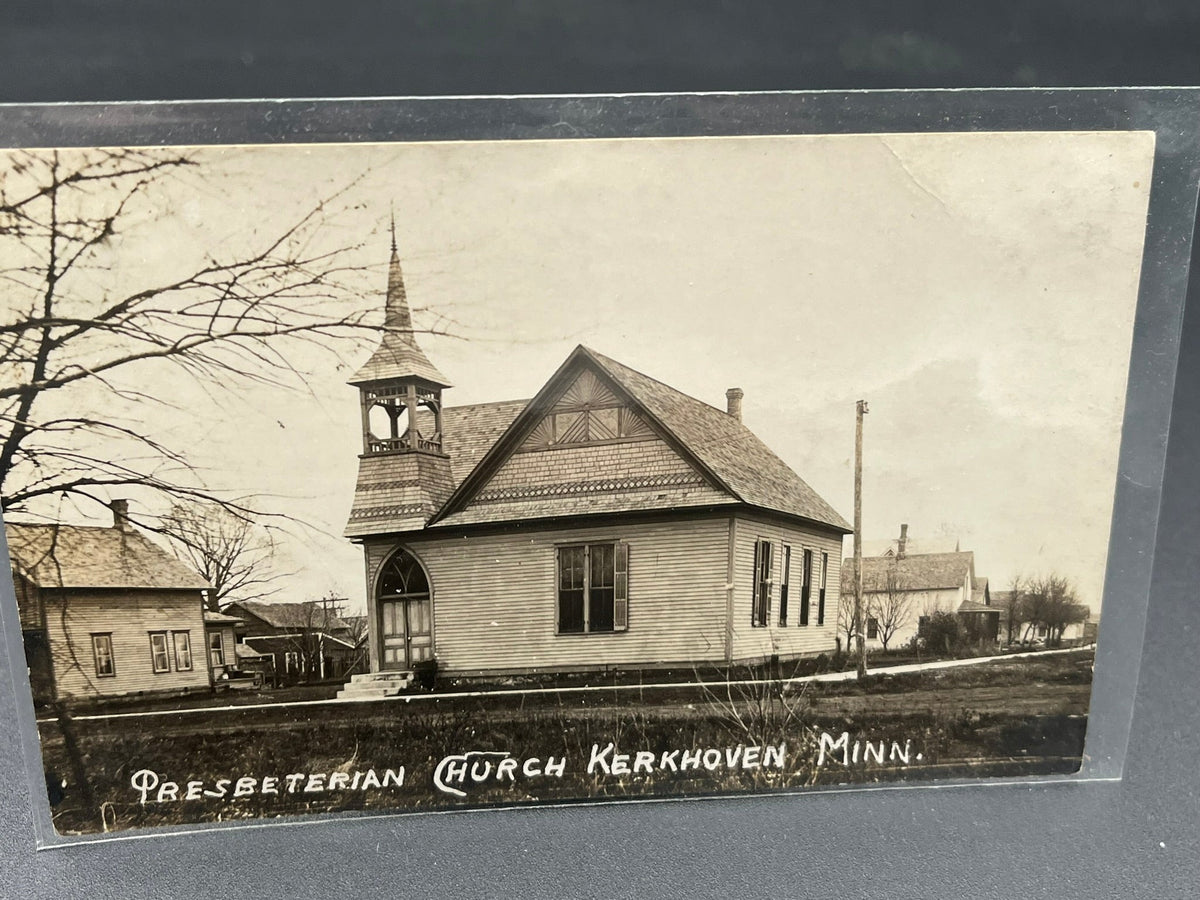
(305, 641)
(105, 612)
(901, 591)
(1025, 632)
(611, 521)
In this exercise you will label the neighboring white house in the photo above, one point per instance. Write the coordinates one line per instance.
(901, 590)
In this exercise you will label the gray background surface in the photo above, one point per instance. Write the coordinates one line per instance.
(1136, 838)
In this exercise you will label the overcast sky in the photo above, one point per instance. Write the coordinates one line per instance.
(978, 290)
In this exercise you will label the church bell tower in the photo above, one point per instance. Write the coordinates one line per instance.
(404, 473)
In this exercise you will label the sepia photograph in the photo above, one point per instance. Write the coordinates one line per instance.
(398, 477)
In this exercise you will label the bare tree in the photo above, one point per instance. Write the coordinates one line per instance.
(73, 344)
(846, 625)
(232, 551)
(1014, 605)
(77, 349)
(1053, 604)
(892, 607)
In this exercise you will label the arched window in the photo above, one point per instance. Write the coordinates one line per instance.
(402, 576)
(405, 612)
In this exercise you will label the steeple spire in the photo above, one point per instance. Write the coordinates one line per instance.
(398, 355)
(397, 317)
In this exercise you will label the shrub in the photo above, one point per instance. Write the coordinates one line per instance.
(425, 673)
(942, 633)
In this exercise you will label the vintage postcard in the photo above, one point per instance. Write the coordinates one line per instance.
(403, 476)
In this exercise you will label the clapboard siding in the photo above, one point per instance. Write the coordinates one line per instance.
(71, 621)
(27, 604)
(919, 603)
(758, 642)
(495, 597)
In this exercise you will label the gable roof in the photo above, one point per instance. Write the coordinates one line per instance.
(470, 431)
(306, 615)
(921, 572)
(719, 446)
(979, 592)
(89, 556)
(975, 606)
(727, 447)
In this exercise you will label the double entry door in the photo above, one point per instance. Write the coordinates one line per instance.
(406, 631)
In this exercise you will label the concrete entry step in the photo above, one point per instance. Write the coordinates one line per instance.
(376, 686)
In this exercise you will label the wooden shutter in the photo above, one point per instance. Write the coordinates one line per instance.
(620, 586)
(754, 620)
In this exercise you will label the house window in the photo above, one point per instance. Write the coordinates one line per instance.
(183, 650)
(805, 586)
(821, 591)
(593, 588)
(291, 661)
(762, 583)
(783, 584)
(872, 629)
(159, 657)
(102, 651)
(216, 648)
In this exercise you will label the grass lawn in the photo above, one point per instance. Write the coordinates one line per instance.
(1009, 717)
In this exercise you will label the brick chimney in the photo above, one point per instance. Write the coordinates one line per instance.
(120, 511)
(733, 401)
(902, 544)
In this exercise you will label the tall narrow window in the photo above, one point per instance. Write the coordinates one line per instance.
(571, 591)
(216, 648)
(593, 588)
(102, 650)
(805, 586)
(821, 592)
(159, 656)
(762, 583)
(784, 584)
(183, 650)
(600, 587)
(872, 629)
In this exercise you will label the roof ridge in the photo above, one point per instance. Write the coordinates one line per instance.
(609, 359)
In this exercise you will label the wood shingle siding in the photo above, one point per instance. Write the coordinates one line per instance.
(495, 597)
(130, 619)
(641, 474)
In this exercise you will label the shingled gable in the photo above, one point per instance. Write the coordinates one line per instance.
(86, 556)
(734, 466)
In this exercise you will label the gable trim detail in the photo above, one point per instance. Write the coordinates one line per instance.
(544, 404)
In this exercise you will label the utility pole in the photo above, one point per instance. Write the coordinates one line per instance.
(859, 627)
